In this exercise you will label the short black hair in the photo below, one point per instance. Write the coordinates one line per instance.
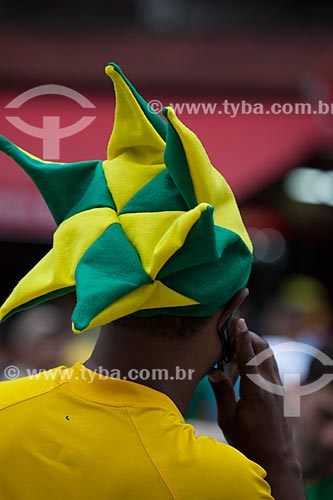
(161, 325)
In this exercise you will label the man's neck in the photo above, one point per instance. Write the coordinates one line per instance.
(164, 365)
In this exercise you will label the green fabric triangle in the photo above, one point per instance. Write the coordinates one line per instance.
(199, 246)
(158, 195)
(67, 188)
(176, 163)
(96, 193)
(228, 273)
(101, 276)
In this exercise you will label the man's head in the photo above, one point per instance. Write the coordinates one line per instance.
(314, 432)
(167, 341)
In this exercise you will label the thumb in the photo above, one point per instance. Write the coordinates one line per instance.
(225, 400)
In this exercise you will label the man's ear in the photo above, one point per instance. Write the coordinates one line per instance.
(233, 304)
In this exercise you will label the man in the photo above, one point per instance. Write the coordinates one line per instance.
(314, 433)
(153, 243)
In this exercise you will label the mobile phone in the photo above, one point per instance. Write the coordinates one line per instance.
(228, 340)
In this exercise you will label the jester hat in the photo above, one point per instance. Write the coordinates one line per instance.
(153, 229)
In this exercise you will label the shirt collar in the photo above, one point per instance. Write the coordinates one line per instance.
(111, 391)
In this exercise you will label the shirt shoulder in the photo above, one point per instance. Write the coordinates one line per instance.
(221, 471)
(231, 472)
(22, 389)
(197, 467)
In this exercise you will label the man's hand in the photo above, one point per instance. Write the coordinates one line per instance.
(255, 424)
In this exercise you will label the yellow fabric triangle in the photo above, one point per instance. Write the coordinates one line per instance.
(124, 178)
(56, 270)
(158, 235)
(209, 185)
(132, 132)
(152, 296)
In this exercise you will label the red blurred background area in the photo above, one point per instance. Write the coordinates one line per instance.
(192, 53)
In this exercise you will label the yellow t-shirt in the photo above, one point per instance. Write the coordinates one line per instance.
(68, 433)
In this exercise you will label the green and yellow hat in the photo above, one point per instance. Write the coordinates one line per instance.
(153, 229)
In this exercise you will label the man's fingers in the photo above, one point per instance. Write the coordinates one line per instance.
(258, 344)
(244, 349)
(266, 362)
(225, 399)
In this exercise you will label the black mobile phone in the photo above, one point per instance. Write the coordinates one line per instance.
(228, 340)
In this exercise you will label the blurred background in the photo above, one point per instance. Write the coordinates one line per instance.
(280, 166)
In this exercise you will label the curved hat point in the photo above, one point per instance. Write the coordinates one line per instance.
(196, 164)
(62, 185)
(198, 180)
(136, 125)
